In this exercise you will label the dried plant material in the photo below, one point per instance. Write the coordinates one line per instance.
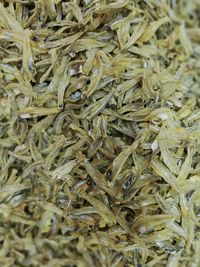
(99, 133)
(152, 28)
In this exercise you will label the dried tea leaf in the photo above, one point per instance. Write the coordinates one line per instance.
(99, 133)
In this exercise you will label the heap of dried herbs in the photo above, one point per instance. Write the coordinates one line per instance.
(100, 133)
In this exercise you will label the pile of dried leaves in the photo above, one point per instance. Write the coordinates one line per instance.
(100, 133)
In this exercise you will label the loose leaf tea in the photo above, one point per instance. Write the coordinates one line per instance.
(99, 133)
